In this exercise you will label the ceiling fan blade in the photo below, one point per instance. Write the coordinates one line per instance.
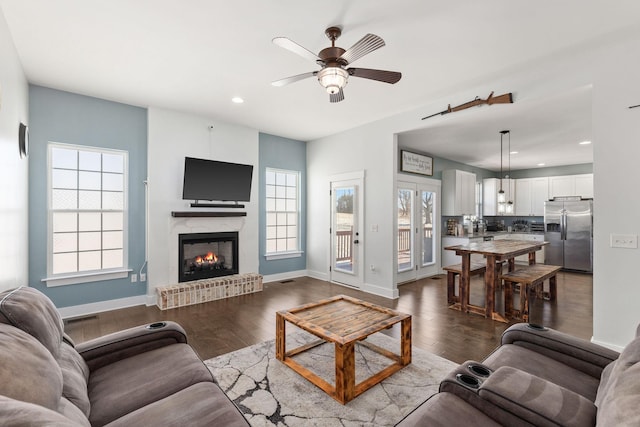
(295, 48)
(336, 97)
(379, 75)
(293, 79)
(365, 45)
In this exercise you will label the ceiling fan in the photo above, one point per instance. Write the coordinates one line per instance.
(334, 74)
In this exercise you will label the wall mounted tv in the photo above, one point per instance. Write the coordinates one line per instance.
(213, 180)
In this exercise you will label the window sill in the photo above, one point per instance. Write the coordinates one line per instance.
(283, 255)
(86, 277)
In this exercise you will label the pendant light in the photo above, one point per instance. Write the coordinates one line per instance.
(509, 202)
(501, 195)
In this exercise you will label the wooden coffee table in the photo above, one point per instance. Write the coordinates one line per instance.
(344, 321)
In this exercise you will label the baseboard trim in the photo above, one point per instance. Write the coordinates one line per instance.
(318, 275)
(383, 292)
(98, 307)
(608, 345)
(284, 276)
(152, 300)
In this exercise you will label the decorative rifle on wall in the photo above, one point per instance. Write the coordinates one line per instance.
(507, 98)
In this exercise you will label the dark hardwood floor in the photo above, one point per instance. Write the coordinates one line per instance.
(222, 326)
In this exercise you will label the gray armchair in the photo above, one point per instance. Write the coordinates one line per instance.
(539, 377)
(146, 375)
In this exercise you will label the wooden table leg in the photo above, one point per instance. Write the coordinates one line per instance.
(465, 277)
(280, 337)
(525, 301)
(345, 372)
(508, 299)
(553, 288)
(532, 258)
(490, 278)
(451, 287)
(405, 342)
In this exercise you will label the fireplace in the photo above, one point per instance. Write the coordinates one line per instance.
(206, 255)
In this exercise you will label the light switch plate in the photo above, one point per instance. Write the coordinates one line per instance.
(628, 241)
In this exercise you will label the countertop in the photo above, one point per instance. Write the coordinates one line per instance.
(481, 234)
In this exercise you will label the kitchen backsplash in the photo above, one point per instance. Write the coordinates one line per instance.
(497, 223)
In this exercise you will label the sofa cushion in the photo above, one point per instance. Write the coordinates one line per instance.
(75, 377)
(129, 384)
(618, 397)
(28, 371)
(207, 406)
(537, 401)
(15, 413)
(544, 367)
(444, 410)
(73, 413)
(33, 312)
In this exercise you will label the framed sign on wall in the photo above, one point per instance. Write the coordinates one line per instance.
(416, 163)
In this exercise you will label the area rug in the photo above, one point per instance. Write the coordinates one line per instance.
(271, 394)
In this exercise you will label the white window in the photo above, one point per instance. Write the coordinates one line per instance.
(87, 189)
(283, 213)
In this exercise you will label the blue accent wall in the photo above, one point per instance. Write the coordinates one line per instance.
(65, 117)
(289, 154)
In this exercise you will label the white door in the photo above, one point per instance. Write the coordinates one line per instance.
(418, 231)
(346, 237)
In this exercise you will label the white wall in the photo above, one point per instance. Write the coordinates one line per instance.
(172, 136)
(370, 149)
(612, 67)
(14, 183)
(616, 134)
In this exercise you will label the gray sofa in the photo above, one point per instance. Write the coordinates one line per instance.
(539, 377)
(144, 376)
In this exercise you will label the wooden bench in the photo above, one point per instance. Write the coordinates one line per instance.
(530, 279)
(456, 270)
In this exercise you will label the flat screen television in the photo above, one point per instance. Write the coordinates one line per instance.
(214, 180)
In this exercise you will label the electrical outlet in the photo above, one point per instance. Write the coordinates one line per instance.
(628, 241)
(143, 277)
(134, 278)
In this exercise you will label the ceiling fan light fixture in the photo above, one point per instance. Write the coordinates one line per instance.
(333, 79)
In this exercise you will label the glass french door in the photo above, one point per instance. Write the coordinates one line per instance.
(417, 233)
(346, 248)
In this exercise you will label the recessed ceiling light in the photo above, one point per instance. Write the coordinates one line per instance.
(585, 143)
(237, 100)
(540, 164)
(513, 152)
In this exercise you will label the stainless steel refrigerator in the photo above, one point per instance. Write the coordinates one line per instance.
(568, 226)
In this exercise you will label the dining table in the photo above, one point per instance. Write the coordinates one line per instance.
(495, 252)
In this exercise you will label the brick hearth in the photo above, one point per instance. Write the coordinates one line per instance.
(204, 290)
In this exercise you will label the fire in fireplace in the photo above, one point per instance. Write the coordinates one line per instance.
(206, 255)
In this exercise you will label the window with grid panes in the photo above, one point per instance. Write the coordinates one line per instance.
(87, 210)
(283, 211)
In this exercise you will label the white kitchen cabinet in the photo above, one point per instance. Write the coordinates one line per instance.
(458, 193)
(490, 188)
(584, 185)
(531, 193)
(571, 185)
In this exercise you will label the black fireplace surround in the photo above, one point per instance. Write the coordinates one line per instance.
(207, 255)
